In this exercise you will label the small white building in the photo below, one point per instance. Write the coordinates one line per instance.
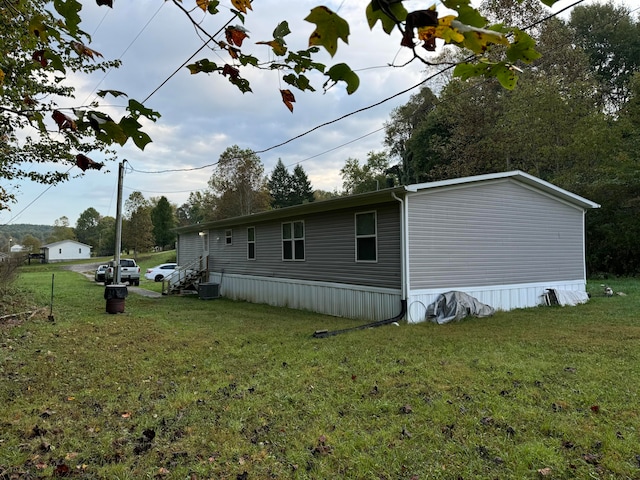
(17, 248)
(65, 250)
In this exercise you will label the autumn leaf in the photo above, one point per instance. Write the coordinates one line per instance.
(478, 39)
(38, 56)
(329, 28)
(64, 122)
(83, 162)
(278, 46)
(288, 99)
(418, 20)
(443, 31)
(108, 3)
(231, 71)
(235, 35)
(84, 50)
(242, 5)
(203, 4)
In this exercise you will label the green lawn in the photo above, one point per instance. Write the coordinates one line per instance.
(183, 388)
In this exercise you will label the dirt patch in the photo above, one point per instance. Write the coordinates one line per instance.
(15, 319)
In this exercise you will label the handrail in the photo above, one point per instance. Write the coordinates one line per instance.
(183, 274)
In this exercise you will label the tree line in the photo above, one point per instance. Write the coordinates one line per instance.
(573, 120)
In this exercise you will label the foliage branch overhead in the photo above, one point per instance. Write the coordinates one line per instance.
(465, 28)
(43, 45)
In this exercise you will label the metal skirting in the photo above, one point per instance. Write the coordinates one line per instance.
(340, 300)
(500, 297)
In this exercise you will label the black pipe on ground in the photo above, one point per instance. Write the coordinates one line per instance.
(379, 323)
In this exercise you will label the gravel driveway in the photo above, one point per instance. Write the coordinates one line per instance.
(88, 270)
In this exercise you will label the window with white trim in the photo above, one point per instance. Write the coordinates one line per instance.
(293, 240)
(366, 237)
(251, 243)
(228, 237)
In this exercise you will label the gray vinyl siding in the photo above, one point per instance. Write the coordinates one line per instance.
(495, 233)
(190, 247)
(329, 249)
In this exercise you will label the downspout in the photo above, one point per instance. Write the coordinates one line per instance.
(404, 247)
(403, 276)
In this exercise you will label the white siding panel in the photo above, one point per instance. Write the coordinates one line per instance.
(500, 297)
(340, 300)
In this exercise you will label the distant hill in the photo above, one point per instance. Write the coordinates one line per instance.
(18, 231)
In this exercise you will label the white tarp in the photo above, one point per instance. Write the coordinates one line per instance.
(454, 305)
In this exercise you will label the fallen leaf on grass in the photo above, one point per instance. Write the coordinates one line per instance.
(591, 459)
(544, 472)
(406, 409)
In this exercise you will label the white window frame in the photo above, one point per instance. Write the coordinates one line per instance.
(228, 236)
(293, 241)
(373, 235)
(251, 242)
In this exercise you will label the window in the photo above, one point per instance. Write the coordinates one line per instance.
(366, 235)
(60, 250)
(293, 240)
(228, 237)
(80, 250)
(251, 243)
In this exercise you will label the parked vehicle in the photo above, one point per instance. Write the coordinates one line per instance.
(159, 272)
(129, 272)
(100, 271)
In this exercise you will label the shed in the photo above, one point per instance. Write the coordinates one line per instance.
(503, 238)
(65, 250)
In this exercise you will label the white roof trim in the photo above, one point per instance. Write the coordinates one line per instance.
(517, 175)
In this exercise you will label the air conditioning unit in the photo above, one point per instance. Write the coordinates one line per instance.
(208, 291)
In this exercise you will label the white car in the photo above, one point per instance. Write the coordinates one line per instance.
(158, 272)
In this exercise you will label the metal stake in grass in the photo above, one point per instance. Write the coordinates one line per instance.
(51, 319)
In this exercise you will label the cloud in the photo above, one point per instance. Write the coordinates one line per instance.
(203, 114)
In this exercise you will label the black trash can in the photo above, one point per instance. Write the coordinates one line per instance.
(115, 295)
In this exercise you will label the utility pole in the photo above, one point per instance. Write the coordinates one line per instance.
(116, 276)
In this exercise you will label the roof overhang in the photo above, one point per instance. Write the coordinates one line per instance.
(388, 195)
(516, 175)
(362, 199)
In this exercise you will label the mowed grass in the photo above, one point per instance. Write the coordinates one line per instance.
(183, 388)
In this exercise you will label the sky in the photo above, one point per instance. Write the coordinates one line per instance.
(202, 115)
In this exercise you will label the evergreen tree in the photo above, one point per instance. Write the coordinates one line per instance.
(137, 228)
(280, 185)
(164, 222)
(301, 189)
